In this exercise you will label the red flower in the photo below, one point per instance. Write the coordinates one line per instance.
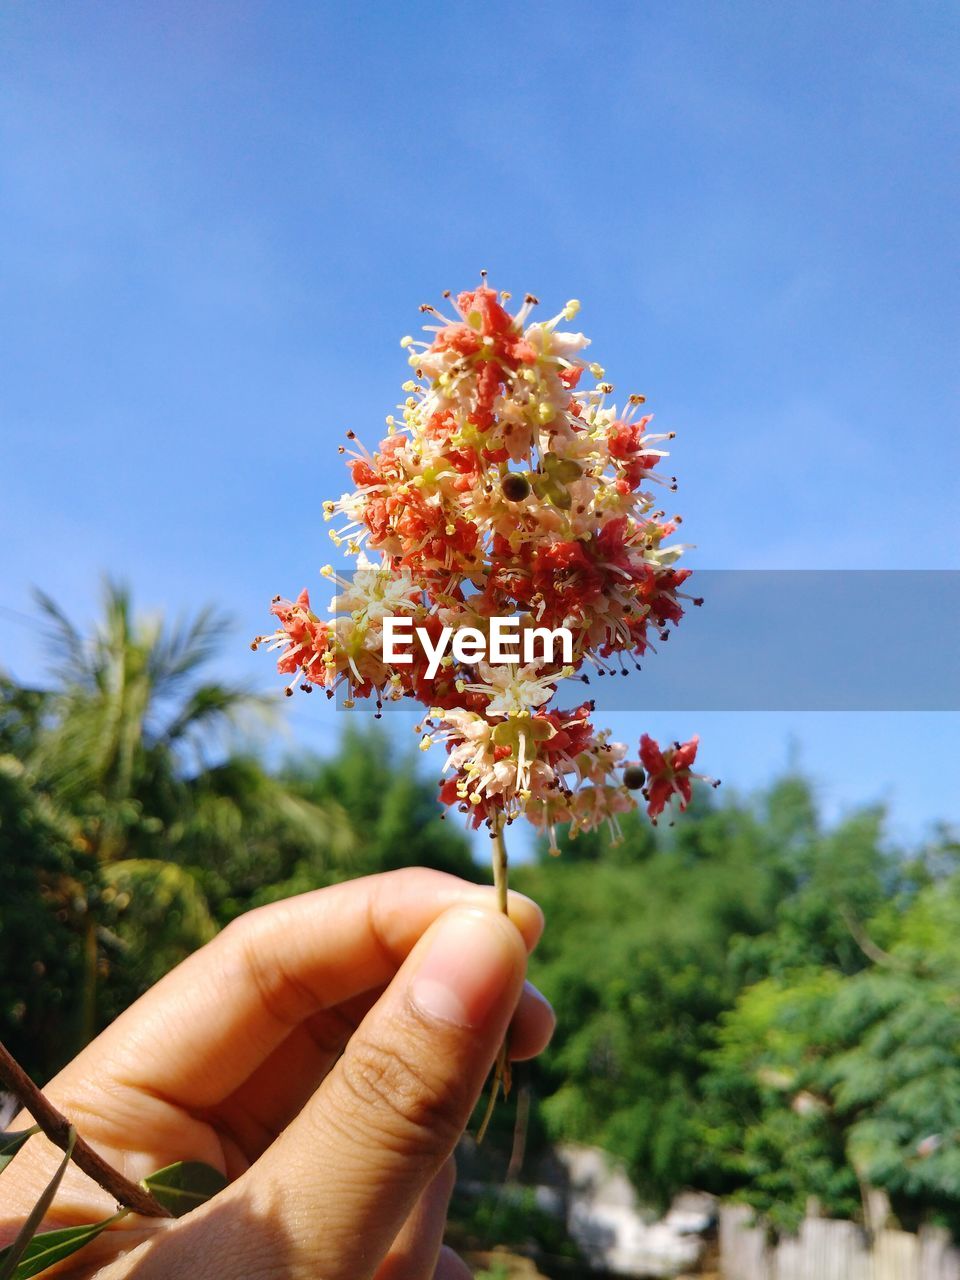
(573, 731)
(668, 773)
(494, 319)
(304, 637)
(503, 488)
(458, 337)
(571, 376)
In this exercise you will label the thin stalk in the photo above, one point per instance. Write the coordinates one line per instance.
(501, 1070)
(500, 867)
(58, 1129)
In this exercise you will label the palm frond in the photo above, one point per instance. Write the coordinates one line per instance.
(181, 650)
(68, 652)
(209, 709)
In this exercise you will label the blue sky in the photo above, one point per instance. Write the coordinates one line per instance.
(218, 219)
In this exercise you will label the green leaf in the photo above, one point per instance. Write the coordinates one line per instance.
(53, 1246)
(534, 728)
(563, 470)
(14, 1252)
(551, 484)
(184, 1186)
(10, 1144)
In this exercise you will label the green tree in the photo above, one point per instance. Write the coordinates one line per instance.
(249, 836)
(131, 710)
(636, 961)
(21, 716)
(894, 1083)
(128, 711)
(392, 807)
(838, 1072)
(832, 882)
(47, 879)
(766, 1123)
(130, 744)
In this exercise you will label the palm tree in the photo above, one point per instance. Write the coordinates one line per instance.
(130, 705)
(133, 742)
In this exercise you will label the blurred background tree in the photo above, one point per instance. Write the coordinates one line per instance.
(759, 1007)
(140, 821)
(637, 962)
(749, 1002)
(47, 879)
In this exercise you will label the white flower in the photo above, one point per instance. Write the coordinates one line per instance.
(376, 593)
(514, 690)
(547, 342)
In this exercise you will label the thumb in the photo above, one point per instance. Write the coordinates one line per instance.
(341, 1180)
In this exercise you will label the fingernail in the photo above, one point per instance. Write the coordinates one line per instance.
(468, 967)
(534, 993)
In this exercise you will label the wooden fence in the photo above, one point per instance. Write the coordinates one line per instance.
(826, 1249)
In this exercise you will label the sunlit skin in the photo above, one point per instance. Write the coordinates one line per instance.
(313, 1052)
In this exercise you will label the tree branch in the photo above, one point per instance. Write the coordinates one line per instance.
(57, 1128)
(866, 943)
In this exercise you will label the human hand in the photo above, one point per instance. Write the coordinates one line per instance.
(325, 1053)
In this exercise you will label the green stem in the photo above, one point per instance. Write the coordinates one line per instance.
(500, 867)
(501, 1070)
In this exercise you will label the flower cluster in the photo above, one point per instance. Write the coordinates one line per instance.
(503, 488)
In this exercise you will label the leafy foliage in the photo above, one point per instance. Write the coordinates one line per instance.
(760, 1007)
(48, 884)
(635, 960)
(130, 831)
(179, 1188)
(511, 1216)
(387, 801)
(183, 1186)
(13, 1254)
(50, 1247)
(747, 1001)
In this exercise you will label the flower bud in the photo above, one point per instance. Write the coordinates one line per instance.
(633, 777)
(515, 487)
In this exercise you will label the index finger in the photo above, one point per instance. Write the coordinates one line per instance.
(201, 1031)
